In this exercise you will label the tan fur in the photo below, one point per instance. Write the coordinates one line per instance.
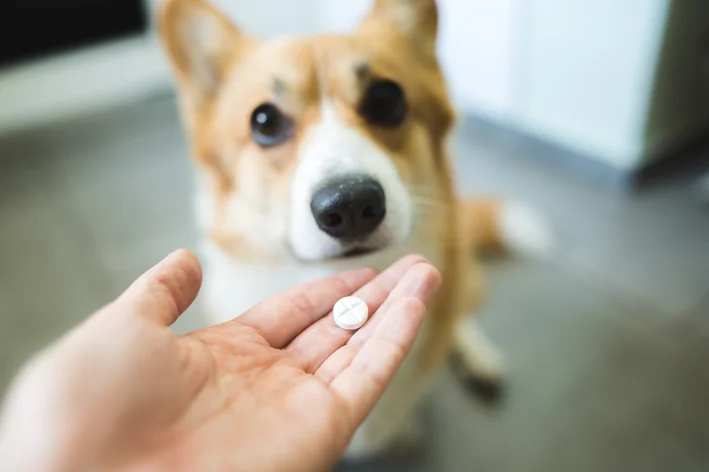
(223, 74)
(481, 218)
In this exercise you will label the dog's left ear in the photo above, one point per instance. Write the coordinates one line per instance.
(414, 20)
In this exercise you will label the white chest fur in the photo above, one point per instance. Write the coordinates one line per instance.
(231, 287)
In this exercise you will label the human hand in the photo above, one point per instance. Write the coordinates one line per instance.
(279, 388)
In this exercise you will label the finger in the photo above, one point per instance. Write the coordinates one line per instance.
(281, 318)
(363, 382)
(165, 291)
(421, 282)
(320, 340)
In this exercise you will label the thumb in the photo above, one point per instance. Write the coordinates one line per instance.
(165, 291)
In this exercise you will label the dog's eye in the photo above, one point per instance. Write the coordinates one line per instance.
(384, 104)
(269, 127)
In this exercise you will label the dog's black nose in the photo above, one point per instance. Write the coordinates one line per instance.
(349, 207)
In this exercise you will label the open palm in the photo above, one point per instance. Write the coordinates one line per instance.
(279, 388)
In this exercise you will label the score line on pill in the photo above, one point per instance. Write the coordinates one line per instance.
(350, 313)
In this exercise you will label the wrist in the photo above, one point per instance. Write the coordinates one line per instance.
(19, 455)
(34, 432)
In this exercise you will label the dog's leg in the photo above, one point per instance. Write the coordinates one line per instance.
(478, 360)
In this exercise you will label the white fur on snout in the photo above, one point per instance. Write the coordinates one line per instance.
(333, 149)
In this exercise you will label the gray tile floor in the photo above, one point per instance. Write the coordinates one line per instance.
(607, 343)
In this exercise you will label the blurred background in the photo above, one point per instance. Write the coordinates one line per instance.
(595, 112)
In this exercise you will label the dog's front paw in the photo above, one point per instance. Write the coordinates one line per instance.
(489, 387)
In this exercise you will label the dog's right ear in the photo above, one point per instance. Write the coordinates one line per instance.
(415, 20)
(201, 43)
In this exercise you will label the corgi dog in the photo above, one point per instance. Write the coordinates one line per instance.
(320, 154)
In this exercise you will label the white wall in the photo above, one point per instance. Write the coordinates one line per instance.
(340, 16)
(80, 82)
(266, 18)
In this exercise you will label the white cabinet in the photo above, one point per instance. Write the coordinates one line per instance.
(585, 73)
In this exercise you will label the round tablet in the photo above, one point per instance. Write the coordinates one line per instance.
(350, 313)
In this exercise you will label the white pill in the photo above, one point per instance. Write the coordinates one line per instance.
(350, 313)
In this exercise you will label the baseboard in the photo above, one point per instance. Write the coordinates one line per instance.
(570, 163)
(689, 157)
